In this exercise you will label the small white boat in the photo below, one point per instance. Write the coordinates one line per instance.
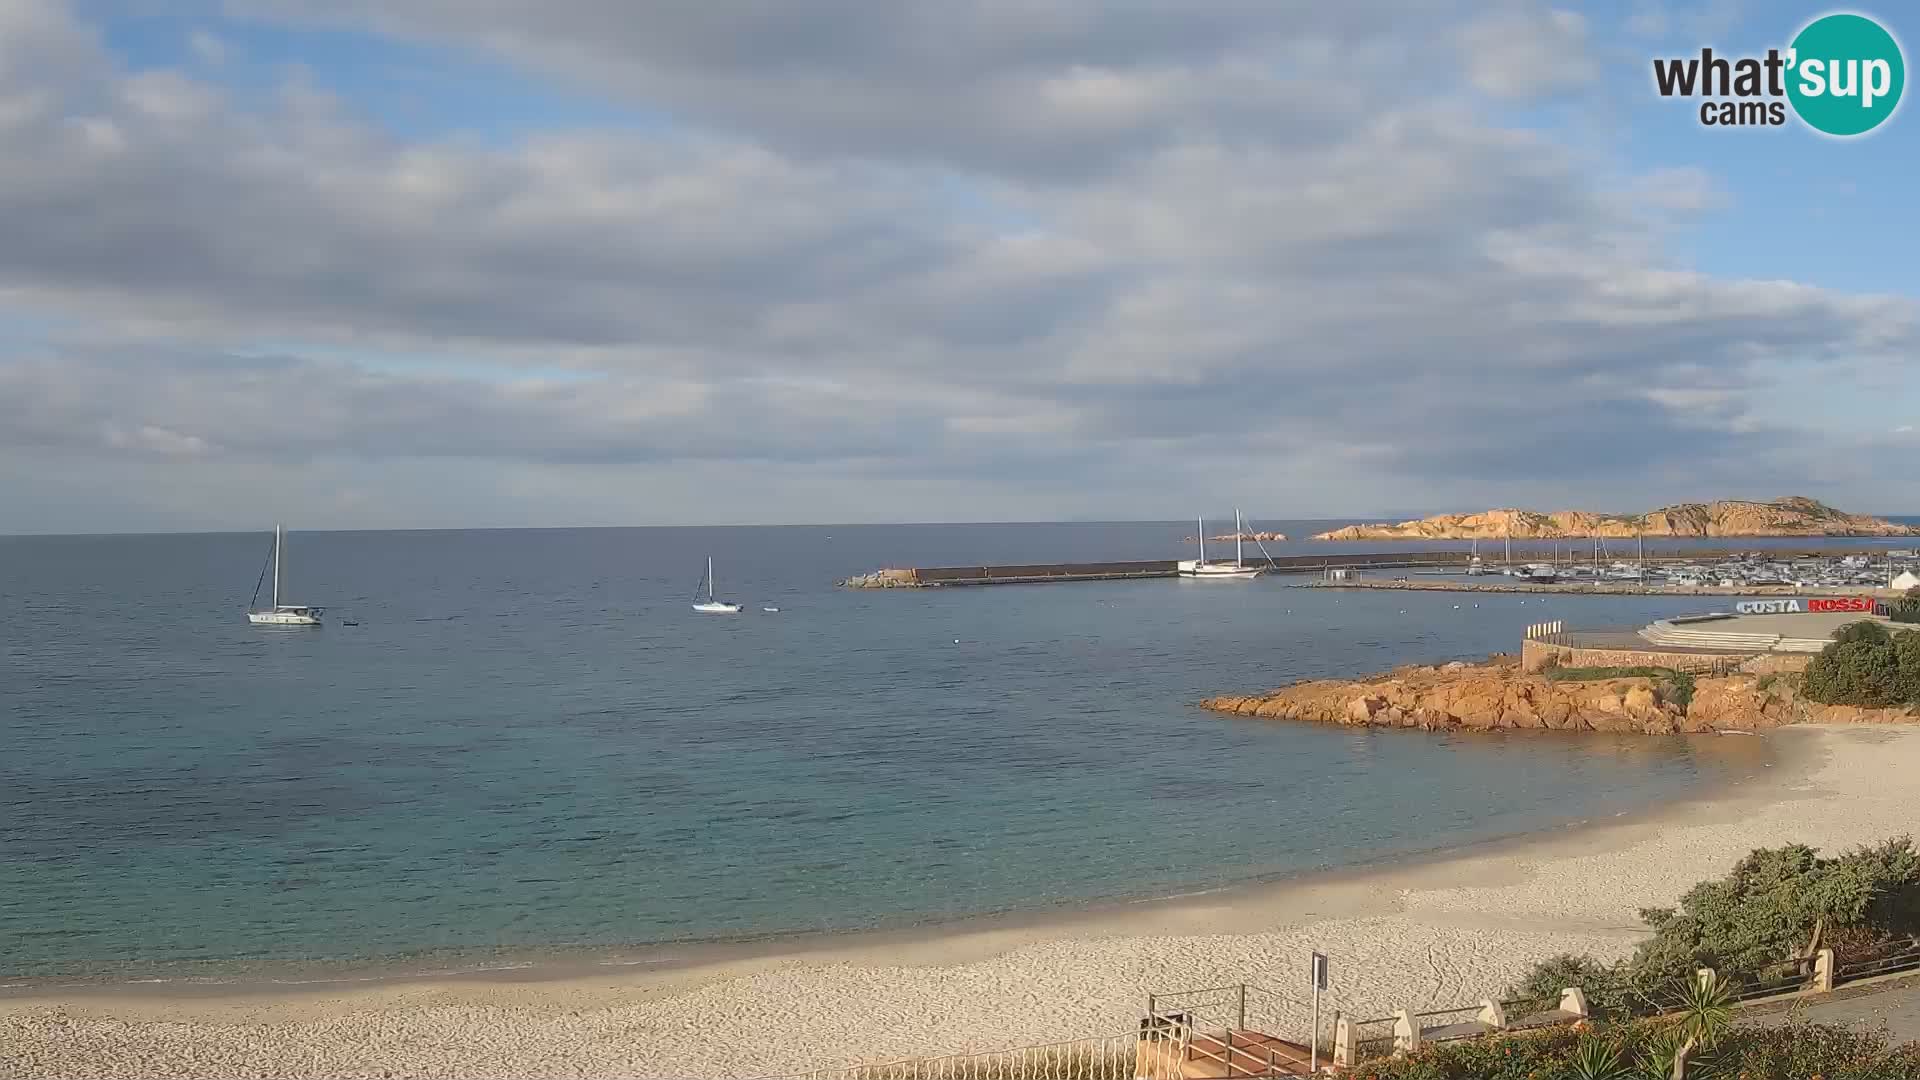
(711, 606)
(279, 614)
(1201, 569)
(770, 609)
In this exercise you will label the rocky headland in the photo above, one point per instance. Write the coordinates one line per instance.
(1497, 696)
(1791, 516)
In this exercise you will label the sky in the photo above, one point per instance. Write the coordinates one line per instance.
(477, 263)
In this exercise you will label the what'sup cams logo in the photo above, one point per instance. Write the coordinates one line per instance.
(1842, 76)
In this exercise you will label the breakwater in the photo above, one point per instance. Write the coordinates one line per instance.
(1041, 573)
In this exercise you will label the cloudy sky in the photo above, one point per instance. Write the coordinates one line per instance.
(398, 263)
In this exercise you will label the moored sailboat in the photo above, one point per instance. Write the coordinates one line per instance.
(711, 605)
(1237, 570)
(279, 614)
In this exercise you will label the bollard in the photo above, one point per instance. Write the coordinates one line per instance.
(1406, 1032)
(1343, 1049)
(1573, 1001)
(1492, 1015)
(1823, 971)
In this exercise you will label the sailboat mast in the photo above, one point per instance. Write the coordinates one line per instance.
(1239, 536)
(709, 579)
(1200, 535)
(276, 566)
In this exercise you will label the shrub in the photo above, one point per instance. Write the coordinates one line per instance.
(1866, 666)
(1762, 914)
(1606, 988)
(1794, 1052)
(1823, 1050)
(1765, 911)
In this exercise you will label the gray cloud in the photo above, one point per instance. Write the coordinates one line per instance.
(1058, 88)
(1386, 300)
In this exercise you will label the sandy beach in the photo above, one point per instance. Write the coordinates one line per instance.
(1435, 933)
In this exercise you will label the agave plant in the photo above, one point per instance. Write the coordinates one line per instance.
(1706, 1010)
(1598, 1059)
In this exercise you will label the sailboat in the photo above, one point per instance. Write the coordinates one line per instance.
(711, 606)
(1237, 570)
(279, 614)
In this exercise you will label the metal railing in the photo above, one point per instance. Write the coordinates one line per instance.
(1451, 1018)
(1902, 957)
(1372, 1038)
(1233, 1027)
(1774, 980)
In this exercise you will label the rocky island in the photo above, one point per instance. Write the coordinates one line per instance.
(1791, 516)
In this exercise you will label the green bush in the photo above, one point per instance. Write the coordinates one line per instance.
(1635, 1051)
(1606, 988)
(1760, 915)
(1866, 666)
(1809, 1050)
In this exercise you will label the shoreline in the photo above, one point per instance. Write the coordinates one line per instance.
(1441, 930)
(560, 963)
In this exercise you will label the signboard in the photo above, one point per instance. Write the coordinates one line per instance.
(1795, 605)
(1319, 971)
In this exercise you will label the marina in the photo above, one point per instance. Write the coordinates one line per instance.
(1668, 572)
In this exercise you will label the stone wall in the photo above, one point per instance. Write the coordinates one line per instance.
(1536, 655)
(1777, 663)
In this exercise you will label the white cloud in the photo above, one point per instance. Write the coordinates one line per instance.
(209, 48)
(1527, 51)
(1115, 256)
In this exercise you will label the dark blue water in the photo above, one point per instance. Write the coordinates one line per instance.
(530, 741)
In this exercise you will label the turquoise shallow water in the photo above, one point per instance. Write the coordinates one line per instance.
(530, 742)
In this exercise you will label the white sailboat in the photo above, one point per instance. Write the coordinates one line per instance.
(1237, 570)
(712, 606)
(279, 614)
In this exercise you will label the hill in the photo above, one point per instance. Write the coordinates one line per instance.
(1791, 516)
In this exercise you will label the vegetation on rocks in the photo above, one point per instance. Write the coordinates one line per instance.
(1868, 666)
(1675, 686)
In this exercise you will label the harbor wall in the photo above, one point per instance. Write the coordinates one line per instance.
(980, 575)
(1539, 655)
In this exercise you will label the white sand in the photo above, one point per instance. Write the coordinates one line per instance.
(1432, 935)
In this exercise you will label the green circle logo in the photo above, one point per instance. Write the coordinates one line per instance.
(1846, 74)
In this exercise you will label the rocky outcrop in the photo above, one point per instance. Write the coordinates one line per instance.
(1499, 696)
(1792, 516)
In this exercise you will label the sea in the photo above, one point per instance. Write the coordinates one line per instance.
(509, 743)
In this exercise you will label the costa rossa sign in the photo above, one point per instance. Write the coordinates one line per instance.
(1795, 605)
